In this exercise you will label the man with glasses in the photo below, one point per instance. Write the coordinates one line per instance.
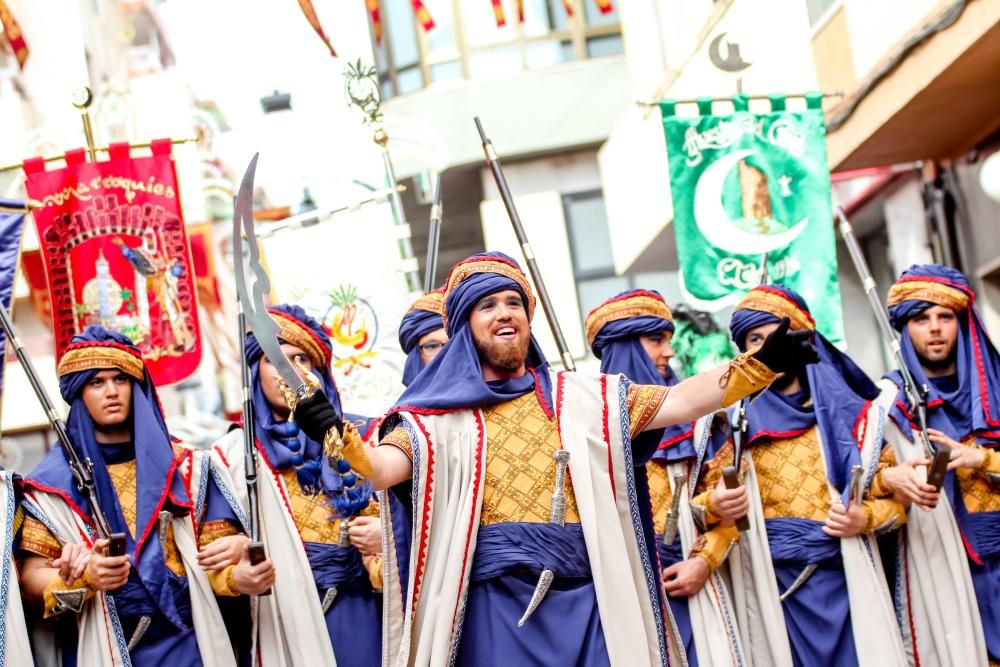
(422, 333)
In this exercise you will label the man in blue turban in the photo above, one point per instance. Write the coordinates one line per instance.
(956, 542)
(815, 592)
(480, 444)
(422, 334)
(631, 334)
(163, 609)
(319, 527)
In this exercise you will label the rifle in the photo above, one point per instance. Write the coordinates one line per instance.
(916, 395)
(243, 210)
(529, 255)
(433, 238)
(81, 468)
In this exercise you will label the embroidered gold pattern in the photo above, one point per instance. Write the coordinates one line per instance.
(644, 401)
(313, 515)
(975, 487)
(520, 469)
(462, 271)
(432, 302)
(123, 477)
(90, 358)
(659, 494)
(213, 530)
(397, 437)
(297, 335)
(621, 309)
(928, 290)
(36, 538)
(769, 302)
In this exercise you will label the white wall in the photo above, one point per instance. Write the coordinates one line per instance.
(874, 27)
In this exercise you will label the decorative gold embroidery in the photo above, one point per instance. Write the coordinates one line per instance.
(313, 515)
(464, 269)
(928, 290)
(296, 334)
(36, 538)
(975, 487)
(621, 309)
(659, 494)
(432, 302)
(520, 469)
(123, 477)
(768, 302)
(213, 530)
(791, 477)
(644, 401)
(93, 357)
(397, 437)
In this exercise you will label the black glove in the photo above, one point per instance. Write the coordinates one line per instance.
(315, 415)
(785, 350)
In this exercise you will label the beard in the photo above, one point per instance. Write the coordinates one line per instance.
(503, 356)
(938, 364)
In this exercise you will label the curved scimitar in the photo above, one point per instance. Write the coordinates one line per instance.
(557, 517)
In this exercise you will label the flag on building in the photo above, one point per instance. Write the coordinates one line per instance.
(116, 253)
(12, 31)
(11, 224)
(749, 185)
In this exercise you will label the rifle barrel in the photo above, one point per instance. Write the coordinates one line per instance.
(433, 238)
(529, 256)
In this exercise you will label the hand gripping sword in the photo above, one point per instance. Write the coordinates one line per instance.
(557, 517)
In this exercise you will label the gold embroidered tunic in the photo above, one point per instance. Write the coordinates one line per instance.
(520, 442)
(791, 478)
(712, 545)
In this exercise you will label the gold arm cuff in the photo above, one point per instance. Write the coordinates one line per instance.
(53, 607)
(746, 376)
(355, 451)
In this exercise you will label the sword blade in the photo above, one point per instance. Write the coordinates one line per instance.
(264, 328)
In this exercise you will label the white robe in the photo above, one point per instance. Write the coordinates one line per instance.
(290, 625)
(15, 648)
(449, 460)
(937, 600)
(759, 613)
(101, 640)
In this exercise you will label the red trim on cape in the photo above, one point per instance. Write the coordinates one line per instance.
(909, 608)
(159, 506)
(424, 519)
(981, 372)
(860, 429)
(666, 444)
(546, 408)
(30, 483)
(776, 435)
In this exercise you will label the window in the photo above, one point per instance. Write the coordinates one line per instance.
(466, 42)
(590, 250)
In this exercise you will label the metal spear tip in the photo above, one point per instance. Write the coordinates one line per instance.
(482, 132)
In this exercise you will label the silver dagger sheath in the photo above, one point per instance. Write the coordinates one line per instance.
(557, 517)
(673, 514)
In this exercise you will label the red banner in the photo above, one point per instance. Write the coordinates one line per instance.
(498, 13)
(116, 253)
(423, 15)
(376, 17)
(313, 18)
(12, 31)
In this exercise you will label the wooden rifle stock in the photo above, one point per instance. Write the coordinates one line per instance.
(938, 467)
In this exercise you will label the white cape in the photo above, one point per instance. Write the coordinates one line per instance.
(449, 458)
(937, 602)
(15, 648)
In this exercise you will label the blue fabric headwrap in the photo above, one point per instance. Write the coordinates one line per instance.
(159, 485)
(454, 378)
(840, 390)
(284, 444)
(618, 347)
(972, 406)
(416, 324)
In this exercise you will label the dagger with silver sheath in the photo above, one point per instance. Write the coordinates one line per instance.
(81, 468)
(856, 487)
(557, 517)
(916, 395)
(674, 513)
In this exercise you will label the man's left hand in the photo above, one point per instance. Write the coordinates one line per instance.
(365, 533)
(845, 522)
(222, 551)
(962, 456)
(685, 578)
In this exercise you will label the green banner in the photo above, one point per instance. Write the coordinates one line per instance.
(749, 184)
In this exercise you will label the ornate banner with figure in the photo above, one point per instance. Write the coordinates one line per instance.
(748, 184)
(345, 270)
(116, 254)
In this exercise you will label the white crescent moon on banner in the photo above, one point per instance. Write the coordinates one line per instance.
(715, 224)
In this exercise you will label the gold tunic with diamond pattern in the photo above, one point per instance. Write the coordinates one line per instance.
(520, 442)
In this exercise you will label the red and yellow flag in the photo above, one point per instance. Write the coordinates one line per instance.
(604, 6)
(498, 13)
(424, 16)
(520, 10)
(313, 18)
(13, 33)
(568, 6)
(376, 18)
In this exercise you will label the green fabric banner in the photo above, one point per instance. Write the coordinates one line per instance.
(745, 184)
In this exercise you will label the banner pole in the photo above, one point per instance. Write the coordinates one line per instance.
(82, 99)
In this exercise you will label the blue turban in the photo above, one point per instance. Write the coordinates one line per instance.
(840, 390)
(454, 378)
(283, 443)
(159, 485)
(424, 317)
(970, 405)
(613, 330)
